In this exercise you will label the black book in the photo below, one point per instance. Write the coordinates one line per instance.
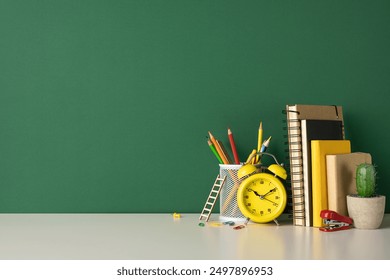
(315, 130)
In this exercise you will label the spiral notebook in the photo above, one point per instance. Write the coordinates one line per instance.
(295, 114)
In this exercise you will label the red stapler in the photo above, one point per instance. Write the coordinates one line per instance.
(335, 221)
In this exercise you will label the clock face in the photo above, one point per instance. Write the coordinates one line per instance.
(261, 197)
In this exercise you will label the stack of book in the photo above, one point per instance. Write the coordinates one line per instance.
(321, 163)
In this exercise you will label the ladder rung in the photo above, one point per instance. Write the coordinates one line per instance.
(215, 189)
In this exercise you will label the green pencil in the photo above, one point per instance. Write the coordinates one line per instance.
(214, 151)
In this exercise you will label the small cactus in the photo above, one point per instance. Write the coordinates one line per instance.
(365, 180)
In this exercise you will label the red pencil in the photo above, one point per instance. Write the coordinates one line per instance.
(233, 146)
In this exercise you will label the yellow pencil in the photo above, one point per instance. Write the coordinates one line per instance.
(250, 157)
(259, 140)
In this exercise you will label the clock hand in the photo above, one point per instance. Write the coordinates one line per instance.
(259, 195)
(274, 203)
(270, 191)
(263, 196)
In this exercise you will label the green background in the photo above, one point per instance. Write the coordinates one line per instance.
(105, 105)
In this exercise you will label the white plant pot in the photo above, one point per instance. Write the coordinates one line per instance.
(366, 212)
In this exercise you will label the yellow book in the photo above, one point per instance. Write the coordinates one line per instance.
(319, 150)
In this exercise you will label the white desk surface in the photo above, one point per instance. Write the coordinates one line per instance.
(160, 236)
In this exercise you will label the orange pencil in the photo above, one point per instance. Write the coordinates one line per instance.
(221, 154)
(233, 146)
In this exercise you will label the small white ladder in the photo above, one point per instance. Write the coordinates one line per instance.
(212, 198)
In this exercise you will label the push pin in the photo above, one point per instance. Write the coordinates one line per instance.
(176, 215)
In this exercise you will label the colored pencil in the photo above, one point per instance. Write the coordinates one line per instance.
(233, 147)
(214, 151)
(264, 146)
(259, 140)
(224, 151)
(250, 157)
(221, 154)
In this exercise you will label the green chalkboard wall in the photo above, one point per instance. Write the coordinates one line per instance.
(105, 105)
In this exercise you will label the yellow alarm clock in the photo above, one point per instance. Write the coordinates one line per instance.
(262, 197)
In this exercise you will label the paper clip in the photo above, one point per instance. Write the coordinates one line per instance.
(242, 226)
(239, 227)
(335, 221)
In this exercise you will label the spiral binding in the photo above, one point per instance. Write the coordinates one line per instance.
(294, 166)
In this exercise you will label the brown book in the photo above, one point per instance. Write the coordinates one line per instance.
(341, 175)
